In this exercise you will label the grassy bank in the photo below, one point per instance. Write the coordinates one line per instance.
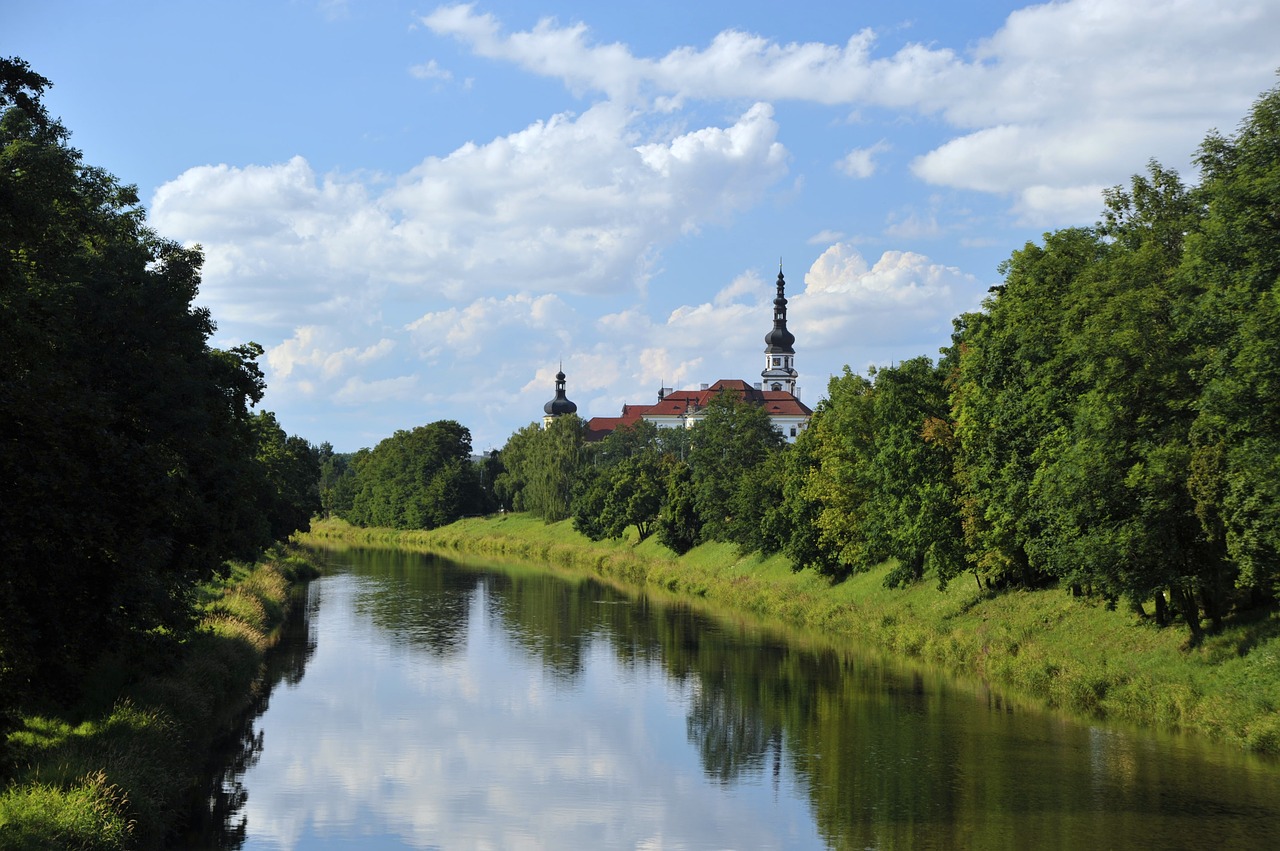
(1045, 645)
(118, 770)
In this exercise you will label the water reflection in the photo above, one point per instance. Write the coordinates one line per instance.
(218, 821)
(453, 707)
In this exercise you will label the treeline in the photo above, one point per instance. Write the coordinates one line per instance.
(132, 463)
(1110, 421)
(417, 479)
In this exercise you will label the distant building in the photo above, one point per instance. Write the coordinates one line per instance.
(560, 405)
(777, 392)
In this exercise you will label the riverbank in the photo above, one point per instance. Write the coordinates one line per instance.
(118, 770)
(1067, 652)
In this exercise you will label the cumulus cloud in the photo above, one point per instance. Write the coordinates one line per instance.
(572, 204)
(464, 331)
(861, 162)
(1036, 103)
(357, 391)
(903, 298)
(315, 349)
(431, 70)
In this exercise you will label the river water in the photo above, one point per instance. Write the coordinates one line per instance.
(419, 703)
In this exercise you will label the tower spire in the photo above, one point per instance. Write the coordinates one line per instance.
(779, 353)
(560, 405)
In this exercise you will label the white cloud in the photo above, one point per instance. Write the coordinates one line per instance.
(825, 237)
(313, 348)
(431, 70)
(1064, 96)
(861, 162)
(465, 331)
(572, 204)
(357, 391)
(904, 298)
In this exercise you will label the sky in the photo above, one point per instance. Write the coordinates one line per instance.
(423, 212)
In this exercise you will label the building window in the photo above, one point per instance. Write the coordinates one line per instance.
(793, 431)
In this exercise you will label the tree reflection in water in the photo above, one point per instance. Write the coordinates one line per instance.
(883, 755)
(217, 822)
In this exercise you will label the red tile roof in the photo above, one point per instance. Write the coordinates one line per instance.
(778, 403)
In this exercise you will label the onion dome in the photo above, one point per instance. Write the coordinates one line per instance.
(780, 340)
(560, 404)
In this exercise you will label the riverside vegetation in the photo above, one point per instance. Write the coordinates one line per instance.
(119, 769)
(137, 484)
(1072, 653)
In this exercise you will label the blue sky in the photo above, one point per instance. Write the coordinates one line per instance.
(421, 211)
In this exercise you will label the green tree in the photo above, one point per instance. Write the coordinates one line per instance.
(829, 489)
(1012, 402)
(515, 457)
(128, 453)
(418, 479)
(552, 466)
(912, 513)
(622, 483)
(337, 481)
(1234, 261)
(679, 525)
(290, 467)
(732, 437)
(1112, 481)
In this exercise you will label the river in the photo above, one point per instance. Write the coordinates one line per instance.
(419, 703)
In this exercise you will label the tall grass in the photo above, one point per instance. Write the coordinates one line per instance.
(120, 777)
(1047, 646)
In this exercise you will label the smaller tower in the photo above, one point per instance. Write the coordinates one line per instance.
(560, 405)
(779, 353)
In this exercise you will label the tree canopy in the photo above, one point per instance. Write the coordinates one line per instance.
(131, 463)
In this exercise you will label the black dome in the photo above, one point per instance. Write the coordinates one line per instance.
(560, 404)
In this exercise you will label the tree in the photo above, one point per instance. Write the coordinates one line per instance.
(622, 483)
(732, 438)
(418, 479)
(1012, 402)
(830, 489)
(1234, 261)
(679, 526)
(128, 453)
(611, 499)
(554, 461)
(290, 467)
(912, 514)
(1112, 481)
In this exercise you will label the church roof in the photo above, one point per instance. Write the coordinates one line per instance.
(560, 404)
(679, 403)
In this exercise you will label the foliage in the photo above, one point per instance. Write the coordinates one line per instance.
(679, 525)
(1233, 259)
(540, 468)
(417, 479)
(623, 485)
(732, 438)
(121, 773)
(131, 463)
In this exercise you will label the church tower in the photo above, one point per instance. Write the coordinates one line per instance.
(560, 405)
(779, 353)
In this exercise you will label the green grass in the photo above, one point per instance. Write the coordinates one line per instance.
(116, 771)
(1064, 652)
